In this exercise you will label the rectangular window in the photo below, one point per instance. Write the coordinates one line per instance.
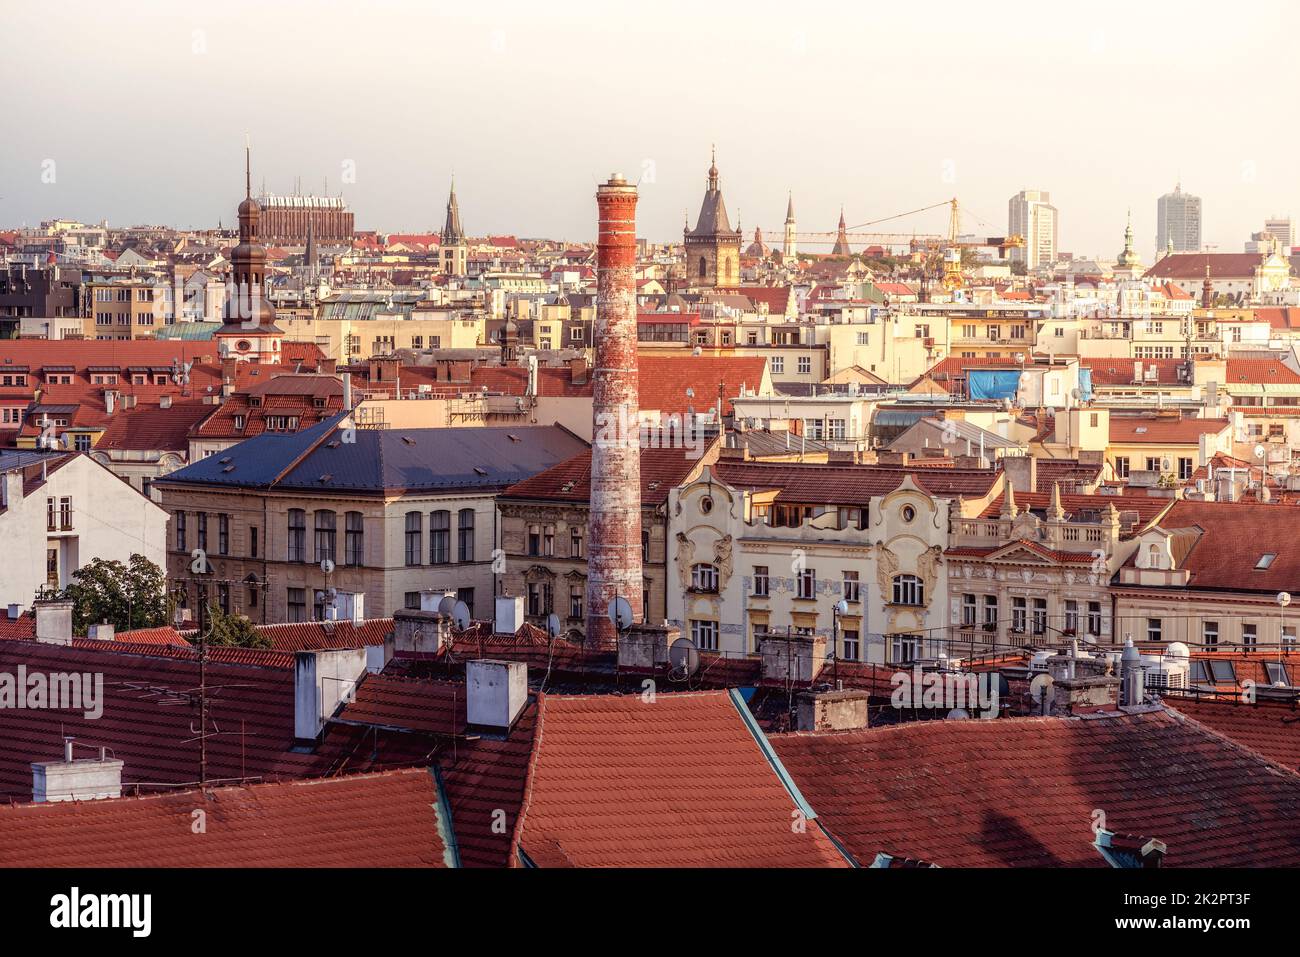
(326, 535)
(296, 547)
(534, 539)
(1184, 469)
(465, 535)
(778, 365)
(1121, 466)
(439, 537)
(575, 601)
(467, 596)
(411, 600)
(252, 541)
(354, 539)
(905, 649)
(968, 610)
(807, 583)
(761, 581)
(180, 531)
(1275, 673)
(908, 590)
(1040, 616)
(1210, 636)
(575, 541)
(223, 534)
(805, 365)
(203, 530)
(1249, 635)
(990, 611)
(1071, 616)
(1155, 627)
(852, 587)
(1094, 618)
(1019, 615)
(852, 645)
(414, 538)
(297, 601)
(704, 634)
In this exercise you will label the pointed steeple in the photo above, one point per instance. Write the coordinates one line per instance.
(789, 210)
(1054, 510)
(842, 239)
(247, 309)
(452, 234)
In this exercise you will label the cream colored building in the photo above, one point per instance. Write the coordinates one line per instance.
(762, 548)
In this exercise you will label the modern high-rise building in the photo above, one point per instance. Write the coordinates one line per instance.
(1282, 228)
(1178, 222)
(1031, 214)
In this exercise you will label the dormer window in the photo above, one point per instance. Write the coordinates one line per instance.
(1265, 561)
(255, 401)
(239, 423)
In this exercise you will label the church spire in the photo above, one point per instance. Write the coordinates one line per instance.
(789, 208)
(842, 239)
(452, 234)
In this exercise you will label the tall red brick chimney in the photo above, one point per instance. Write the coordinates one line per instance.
(614, 533)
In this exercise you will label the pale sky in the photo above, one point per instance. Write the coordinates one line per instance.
(881, 108)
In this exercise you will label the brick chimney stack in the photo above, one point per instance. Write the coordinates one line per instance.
(614, 535)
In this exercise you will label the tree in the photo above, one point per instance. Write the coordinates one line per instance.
(126, 596)
(237, 630)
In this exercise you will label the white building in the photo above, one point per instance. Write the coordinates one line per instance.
(59, 511)
(1031, 214)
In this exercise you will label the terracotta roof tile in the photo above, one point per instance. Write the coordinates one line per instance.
(677, 782)
(389, 819)
(1021, 792)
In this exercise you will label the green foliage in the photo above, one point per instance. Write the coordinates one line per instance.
(126, 596)
(226, 629)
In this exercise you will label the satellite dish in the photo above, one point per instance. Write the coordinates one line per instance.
(447, 605)
(842, 606)
(460, 615)
(957, 714)
(1039, 686)
(690, 392)
(553, 625)
(327, 566)
(620, 613)
(1260, 451)
(684, 656)
(1284, 598)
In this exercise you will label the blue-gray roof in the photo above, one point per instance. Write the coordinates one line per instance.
(391, 460)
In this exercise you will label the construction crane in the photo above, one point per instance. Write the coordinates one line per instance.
(950, 246)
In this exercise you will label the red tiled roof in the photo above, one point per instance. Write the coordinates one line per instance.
(1234, 536)
(1163, 431)
(570, 481)
(166, 635)
(663, 381)
(1193, 265)
(389, 819)
(678, 782)
(513, 380)
(24, 626)
(1021, 792)
(1261, 371)
(149, 694)
(314, 635)
(1284, 317)
(1271, 729)
(778, 299)
(1147, 507)
(153, 428)
(809, 484)
(408, 704)
(1119, 372)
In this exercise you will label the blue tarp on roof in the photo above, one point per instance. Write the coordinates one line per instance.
(1085, 384)
(992, 383)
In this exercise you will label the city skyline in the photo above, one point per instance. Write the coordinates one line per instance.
(515, 166)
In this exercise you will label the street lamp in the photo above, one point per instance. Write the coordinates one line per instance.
(841, 608)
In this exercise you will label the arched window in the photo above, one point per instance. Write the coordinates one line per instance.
(704, 577)
(908, 590)
(704, 267)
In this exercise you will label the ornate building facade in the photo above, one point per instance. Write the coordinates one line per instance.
(852, 554)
